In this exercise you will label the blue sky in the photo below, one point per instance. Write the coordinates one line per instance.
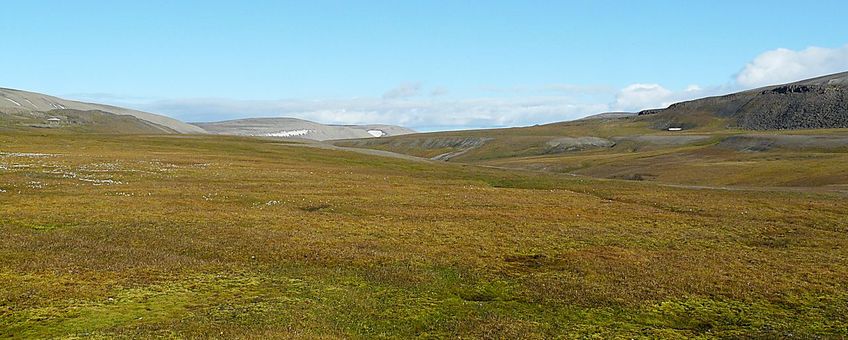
(425, 64)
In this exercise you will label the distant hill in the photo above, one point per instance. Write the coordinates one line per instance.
(817, 103)
(610, 115)
(33, 109)
(299, 128)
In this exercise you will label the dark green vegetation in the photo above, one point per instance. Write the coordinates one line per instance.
(138, 236)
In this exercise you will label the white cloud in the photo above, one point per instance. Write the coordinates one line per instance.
(784, 65)
(642, 96)
(416, 106)
(637, 97)
(693, 88)
(769, 68)
(425, 113)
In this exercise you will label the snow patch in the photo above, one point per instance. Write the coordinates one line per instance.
(30, 103)
(14, 102)
(290, 133)
(377, 133)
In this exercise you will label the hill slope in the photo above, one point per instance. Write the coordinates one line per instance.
(76, 121)
(299, 128)
(715, 147)
(17, 102)
(817, 103)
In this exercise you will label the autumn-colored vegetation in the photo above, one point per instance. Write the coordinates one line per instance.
(191, 236)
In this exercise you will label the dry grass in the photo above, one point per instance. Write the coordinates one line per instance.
(213, 236)
(710, 158)
(699, 165)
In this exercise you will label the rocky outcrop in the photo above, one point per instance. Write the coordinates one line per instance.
(810, 104)
(796, 107)
(570, 144)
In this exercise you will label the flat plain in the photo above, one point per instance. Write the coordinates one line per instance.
(194, 236)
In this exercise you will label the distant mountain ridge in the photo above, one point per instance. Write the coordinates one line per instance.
(299, 128)
(817, 103)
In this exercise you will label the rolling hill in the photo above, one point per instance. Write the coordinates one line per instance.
(29, 109)
(708, 232)
(299, 128)
(789, 135)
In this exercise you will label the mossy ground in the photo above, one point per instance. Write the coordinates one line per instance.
(193, 236)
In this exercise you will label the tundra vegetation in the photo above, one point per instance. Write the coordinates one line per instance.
(631, 148)
(192, 236)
